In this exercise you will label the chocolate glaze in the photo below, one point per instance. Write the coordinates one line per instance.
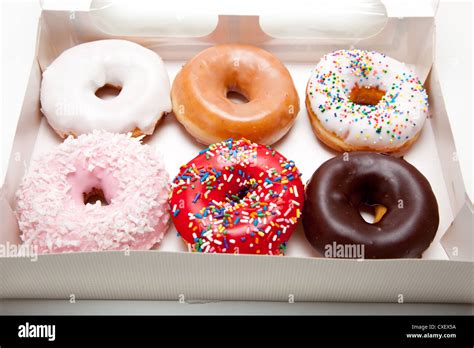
(338, 188)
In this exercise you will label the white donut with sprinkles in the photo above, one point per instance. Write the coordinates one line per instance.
(363, 100)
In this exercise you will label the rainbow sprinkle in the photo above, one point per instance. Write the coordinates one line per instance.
(398, 116)
(247, 198)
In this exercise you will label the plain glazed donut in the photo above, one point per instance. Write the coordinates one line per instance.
(100, 191)
(341, 185)
(69, 84)
(200, 103)
(237, 197)
(365, 101)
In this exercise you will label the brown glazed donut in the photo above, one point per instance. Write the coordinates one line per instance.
(200, 95)
(342, 184)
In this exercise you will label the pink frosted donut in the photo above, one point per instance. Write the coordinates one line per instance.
(101, 191)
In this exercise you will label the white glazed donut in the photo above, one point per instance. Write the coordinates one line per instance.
(69, 85)
(391, 125)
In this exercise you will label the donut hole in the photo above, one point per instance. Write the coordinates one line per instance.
(240, 194)
(95, 195)
(90, 187)
(236, 97)
(372, 213)
(366, 95)
(107, 92)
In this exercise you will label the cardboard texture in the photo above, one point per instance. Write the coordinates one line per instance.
(171, 272)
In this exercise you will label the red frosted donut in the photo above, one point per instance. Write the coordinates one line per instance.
(237, 197)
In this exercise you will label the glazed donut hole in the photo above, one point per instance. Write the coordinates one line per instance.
(94, 195)
(235, 191)
(240, 88)
(92, 187)
(236, 96)
(369, 200)
(108, 91)
(366, 95)
(372, 213)
(242, 193)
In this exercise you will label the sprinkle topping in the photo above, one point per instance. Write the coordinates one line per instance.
(51, 217)
(398, 116)
(237, 197)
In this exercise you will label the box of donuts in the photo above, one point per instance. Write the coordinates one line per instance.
(250, 153)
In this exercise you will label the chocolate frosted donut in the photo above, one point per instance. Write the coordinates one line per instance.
(406, 215)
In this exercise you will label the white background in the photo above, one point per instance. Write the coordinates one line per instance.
(19, 20)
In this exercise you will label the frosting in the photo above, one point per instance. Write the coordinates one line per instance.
(339, 187)
(397, 117)
(50, 206)
(201, 88)
(69, 85)
(237, 197)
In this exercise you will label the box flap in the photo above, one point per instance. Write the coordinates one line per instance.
(411, 8)
(453, 59)
(304, 18)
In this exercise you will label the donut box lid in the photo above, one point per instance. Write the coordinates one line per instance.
(314, 26)
(336, 19)
(441, 276)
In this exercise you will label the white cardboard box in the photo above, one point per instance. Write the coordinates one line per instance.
(444, 274)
